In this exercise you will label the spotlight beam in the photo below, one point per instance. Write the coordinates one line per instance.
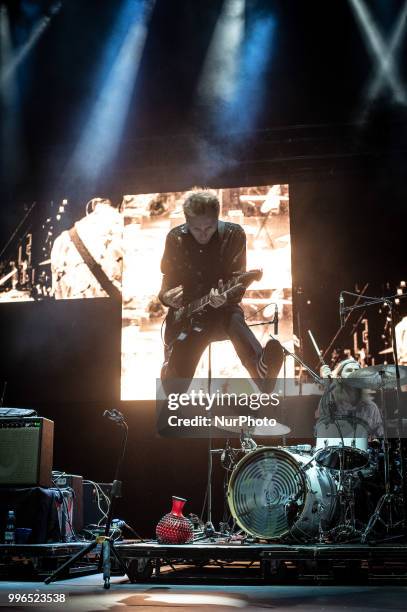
(395, 41)
(18, 58)
(9, 125)
(102, 134)
(381, 53)
(219, 74)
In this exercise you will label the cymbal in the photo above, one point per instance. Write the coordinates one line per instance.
(376, 377)
(262, 430)
(386, 351)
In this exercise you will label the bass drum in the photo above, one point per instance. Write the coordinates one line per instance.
(275, 493)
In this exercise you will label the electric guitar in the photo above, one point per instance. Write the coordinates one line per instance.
(185, 317)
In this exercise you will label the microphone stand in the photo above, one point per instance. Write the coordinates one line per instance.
(343, 321)
(106, 540)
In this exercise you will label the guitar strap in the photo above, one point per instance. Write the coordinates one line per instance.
(221, 228)
(94, 267)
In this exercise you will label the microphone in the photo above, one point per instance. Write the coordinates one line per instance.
(3, 394)
(114, 415)
(275, 320)
(341, 306)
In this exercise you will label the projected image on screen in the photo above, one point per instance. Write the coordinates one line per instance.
(86, 260)
(64, 253)
(263, 212)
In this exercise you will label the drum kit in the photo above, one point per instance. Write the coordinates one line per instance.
(344, 489)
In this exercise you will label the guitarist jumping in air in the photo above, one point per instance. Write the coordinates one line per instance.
(204, 279)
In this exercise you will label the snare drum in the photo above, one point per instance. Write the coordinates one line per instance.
(274, 492)
(353, 459)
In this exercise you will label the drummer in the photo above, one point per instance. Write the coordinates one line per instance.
(347, 402)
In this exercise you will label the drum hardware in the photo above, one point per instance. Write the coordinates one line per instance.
(343, 320)
(389, 497)
(342, 449)
(208, 497)
(246, 442)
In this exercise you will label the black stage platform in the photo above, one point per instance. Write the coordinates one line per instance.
(223, 562)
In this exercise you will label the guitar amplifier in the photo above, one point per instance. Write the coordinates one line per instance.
(26, 451)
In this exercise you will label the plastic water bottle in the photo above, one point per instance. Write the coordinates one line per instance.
(10, 531)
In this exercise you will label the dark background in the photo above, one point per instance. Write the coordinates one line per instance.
(347, 187)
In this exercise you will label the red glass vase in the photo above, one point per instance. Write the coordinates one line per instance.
(174, 527)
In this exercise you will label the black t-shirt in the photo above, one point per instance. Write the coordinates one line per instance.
(199, 267)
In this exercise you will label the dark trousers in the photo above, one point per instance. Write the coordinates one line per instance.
(182, 356)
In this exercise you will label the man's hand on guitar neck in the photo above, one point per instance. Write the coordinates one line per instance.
(173, 297)
(216, 297)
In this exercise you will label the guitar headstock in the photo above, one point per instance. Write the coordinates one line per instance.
(246, 278)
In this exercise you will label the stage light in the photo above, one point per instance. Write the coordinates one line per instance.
(384, 54)
(102, 134)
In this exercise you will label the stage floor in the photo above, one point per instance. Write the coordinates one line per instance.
(221, 563)
(86, 593)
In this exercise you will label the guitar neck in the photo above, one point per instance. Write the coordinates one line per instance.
(199, 304)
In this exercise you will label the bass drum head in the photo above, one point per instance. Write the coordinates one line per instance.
(266, 491)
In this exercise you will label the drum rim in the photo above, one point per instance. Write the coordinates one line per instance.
(345, 447)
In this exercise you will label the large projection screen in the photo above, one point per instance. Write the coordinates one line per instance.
(128, 243)
(263, 212)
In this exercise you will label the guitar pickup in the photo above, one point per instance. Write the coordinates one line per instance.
(182, 336)
(198, 328)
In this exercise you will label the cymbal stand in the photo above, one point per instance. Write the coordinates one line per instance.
(388, 496)
(209, 528)
(345, 493)
(209, 523)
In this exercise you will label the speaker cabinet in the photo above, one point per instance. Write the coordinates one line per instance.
(26, 451)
